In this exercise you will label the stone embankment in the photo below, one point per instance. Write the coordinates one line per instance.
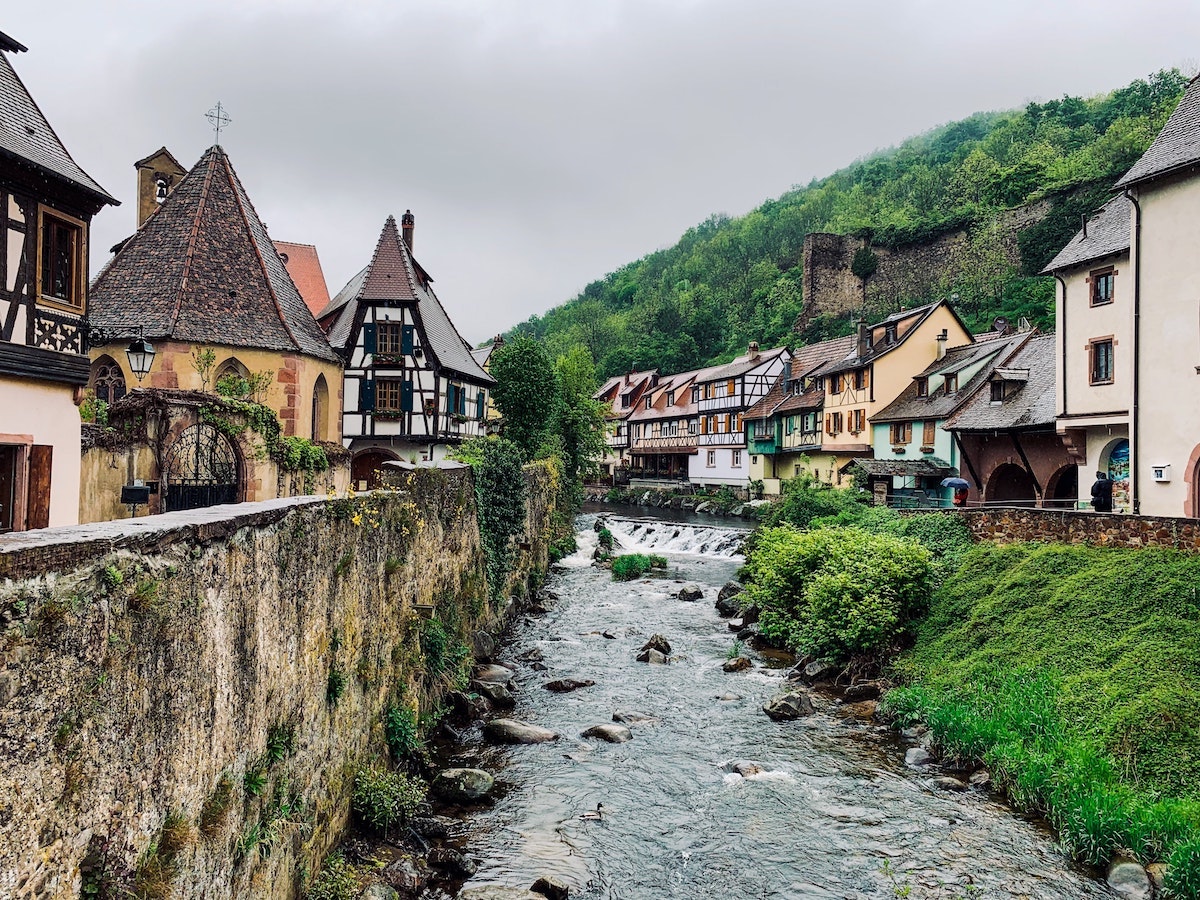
(714, 505)
(185, 698)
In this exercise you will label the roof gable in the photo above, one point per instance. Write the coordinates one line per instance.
(1175, 147)
(202, 269)
(304, 266)
(1106, 234)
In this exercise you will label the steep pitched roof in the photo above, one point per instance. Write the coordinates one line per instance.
(203, 270)
(1107, 233)
(394, 276)
(304, 266)
(805, 360)
(1030, 406)
(744, 363)
(1176, 147)
(684, 406)
(938, 404)
(26, 134)
(915, 318)
(161, 151)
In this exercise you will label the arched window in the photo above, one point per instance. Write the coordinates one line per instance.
(231, 378)
(320, 410)
(108, 381)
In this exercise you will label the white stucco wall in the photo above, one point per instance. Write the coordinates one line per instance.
(47, 412)
(723, 472)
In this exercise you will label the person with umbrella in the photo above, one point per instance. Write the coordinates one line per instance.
(961, 488)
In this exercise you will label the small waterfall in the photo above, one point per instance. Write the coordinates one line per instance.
(651, 535)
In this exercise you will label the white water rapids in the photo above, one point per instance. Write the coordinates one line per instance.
(652, 536)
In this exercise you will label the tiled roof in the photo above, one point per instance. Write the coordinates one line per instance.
(1031, 406)
(1177, 145)
(929, 466)
(304, 266)
(805, 360)
(739, 366)
(202, 269)
(938, 404)
(880, 348)
(394, 276)
(26, 134)
(1107, 233)
(681, 384)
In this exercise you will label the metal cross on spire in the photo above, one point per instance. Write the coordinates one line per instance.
(219, 119)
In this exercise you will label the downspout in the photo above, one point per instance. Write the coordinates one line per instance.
(1062, 342)
(1135, 497)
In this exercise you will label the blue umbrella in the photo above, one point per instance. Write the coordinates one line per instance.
(959, 484)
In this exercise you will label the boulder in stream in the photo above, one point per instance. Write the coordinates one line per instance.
(609, 731)
(496, 694)
(787, 705)
(462, 785)
(659, 643)
(551, 887)
(737, 664)
(498, 892)
(1128, 879)
(729, 589)
(566, 685)
(862, 690)
(510, 731)
(628, 717)
(751, 614)
(690, 591)
(654, 657)
(452, 861)
(493, 674)
(743, 767)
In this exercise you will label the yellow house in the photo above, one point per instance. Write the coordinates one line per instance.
(201, 277)
(881, 364)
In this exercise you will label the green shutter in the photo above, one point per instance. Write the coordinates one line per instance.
(406, 396)
(406, 340)
(479, 401)
(366, 395)
(451, 403)
(369, 338)
(462, 400)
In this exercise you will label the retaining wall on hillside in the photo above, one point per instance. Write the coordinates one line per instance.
(1075, 527)
(145, 660)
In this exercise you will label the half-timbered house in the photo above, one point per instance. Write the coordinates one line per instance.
(46, 205)
(412, 389)
(623, 396)
(663, 430)
(722, 395)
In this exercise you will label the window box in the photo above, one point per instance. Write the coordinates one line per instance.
(388, 415)
(384, 359)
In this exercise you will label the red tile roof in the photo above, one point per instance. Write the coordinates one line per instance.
(304, 266)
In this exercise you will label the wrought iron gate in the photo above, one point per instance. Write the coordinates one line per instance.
(201, 469)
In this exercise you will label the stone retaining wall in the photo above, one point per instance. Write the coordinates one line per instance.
(1074, 527)
(146, 661)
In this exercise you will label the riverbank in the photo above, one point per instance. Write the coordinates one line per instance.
(720, 504)
(1073, 672)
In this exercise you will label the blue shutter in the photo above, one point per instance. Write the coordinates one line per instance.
(451, 404)
(369, 339)
(406, 396)
(406, 340)
(479, 401)
(366, 395)
(462, 400)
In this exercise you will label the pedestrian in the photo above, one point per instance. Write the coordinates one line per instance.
(1102, 493)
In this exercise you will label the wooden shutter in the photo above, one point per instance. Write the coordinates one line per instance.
(366, 392)
(480, 399)
(406, 396)
(369, 340)
(929, 435)
(462, 400)
(37, 511)
(406, 340)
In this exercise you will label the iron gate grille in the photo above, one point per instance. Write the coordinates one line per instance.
(201, 469)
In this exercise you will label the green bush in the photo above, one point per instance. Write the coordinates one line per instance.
(401, 731)
(383, 799)
(804, 499)
(337, 881)
(635, 565)
(837, 593)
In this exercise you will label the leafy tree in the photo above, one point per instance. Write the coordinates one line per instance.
(526, 392)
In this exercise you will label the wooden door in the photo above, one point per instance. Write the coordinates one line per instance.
(8, 486)
(38, 512)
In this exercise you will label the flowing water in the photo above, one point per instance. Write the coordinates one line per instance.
(835, 814)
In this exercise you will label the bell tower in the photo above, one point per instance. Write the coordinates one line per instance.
(157, 176)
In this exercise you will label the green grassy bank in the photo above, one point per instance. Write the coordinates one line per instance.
(1073, 673)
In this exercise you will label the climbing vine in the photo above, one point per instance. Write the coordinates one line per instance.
(232, 417)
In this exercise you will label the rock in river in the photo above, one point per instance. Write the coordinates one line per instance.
(510, 731)
(788, 705)
(453, 862)
(498, 892)
(737, 664)
(493, 674)
(628, 717)
(729, 589)
(609, 731)
(497, 694)
(862, 690)
(690, 591)
(1128, 879)
(463, 785)
(550, 887)
(653, 656)
(566, 685)
(659, 643)
(743, 767)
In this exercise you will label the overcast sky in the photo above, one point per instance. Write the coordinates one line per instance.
(543, 144)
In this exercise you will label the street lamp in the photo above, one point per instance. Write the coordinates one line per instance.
(140, 354)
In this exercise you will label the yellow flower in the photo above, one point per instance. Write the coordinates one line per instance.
(356, 518)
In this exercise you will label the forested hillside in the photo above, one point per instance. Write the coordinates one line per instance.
(732, 280)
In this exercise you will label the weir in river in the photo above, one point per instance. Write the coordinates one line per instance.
(834, 813)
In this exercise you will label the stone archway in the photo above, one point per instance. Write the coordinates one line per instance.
(1062, 489)
(1191, 478)
(1114, 462)
(366, 465)
(201, 468)
(1011, 484)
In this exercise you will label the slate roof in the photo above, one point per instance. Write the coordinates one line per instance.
(880, 348)
(1107, 233)
(805, 361)
(1030, 407)
(930, 466)
(612, 390)
(394, 276)
(26, 134)
(202, 269)
(1176, 147)
(739, 366)
(909, 407)
(304, 266)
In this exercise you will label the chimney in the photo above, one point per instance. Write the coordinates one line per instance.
(406, 228)
(498, 342)
(753, 350)
(941, 343)
(864, 338)
(627, 374)
(1083, 218)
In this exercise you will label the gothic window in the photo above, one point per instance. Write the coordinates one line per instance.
(108, 381)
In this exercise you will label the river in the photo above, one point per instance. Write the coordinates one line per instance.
(835, 814)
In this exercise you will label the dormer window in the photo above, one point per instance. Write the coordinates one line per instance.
(624, 401)
(997, 391)
(696, 393)
(922, 387)
(647, 401)
(889, 333)
(670, 398)
(951, 382)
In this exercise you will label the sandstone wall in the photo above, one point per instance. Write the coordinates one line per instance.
(1076, 527)
(146, 660)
